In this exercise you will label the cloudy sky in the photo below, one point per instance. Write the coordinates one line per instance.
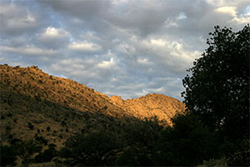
(119, 47)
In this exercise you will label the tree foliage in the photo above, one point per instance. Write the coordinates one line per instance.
(144, 133)
(187, 142)
(91, 149)
(218, 89)
(132, 145)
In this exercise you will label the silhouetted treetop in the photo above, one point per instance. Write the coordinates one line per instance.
(218, 89)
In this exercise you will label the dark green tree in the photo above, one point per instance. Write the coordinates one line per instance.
(91, 149)
(218, 89)
(143, 133)
(140, 138)
(187, 142)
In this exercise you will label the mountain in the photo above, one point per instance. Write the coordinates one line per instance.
(151, 105)
(35, 104)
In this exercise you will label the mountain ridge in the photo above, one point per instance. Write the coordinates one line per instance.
(33, 82)
(150, 105)
(33, 103)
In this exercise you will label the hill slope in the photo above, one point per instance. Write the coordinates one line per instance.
(58, 108)
(151, 105)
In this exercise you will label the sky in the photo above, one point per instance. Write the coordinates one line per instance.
(127, 48)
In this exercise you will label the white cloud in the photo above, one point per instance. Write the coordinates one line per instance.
(231, 10)
(176, 45)
(174, 54)
(54, 38)
(236, 17)
(181, 16)
(84, 46)
(144, 61)
(29, 51)
(241, 20)
(107, 64)
(52, 32)
(158, 42)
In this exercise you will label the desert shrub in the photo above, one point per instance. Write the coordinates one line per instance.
(41, 139)
(15, 120)
(47, 155)
(8, 128)
(10, 136)
(9, 115)
(63, 123)
(30, 126)
(8, 156)
(25, 150)
(13, 141)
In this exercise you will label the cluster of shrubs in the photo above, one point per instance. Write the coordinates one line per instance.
(26, 151)
(146, 143)
(137, 143)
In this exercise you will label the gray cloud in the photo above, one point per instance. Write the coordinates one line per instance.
(119, 47)
(54, 38)
(18, 22)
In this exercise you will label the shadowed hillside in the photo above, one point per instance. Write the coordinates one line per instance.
(34, 83)
(50, 111)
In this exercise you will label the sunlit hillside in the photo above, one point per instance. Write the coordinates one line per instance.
(49, 110)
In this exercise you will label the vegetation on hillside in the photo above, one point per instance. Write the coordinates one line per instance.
(34, 108)
(60, 126)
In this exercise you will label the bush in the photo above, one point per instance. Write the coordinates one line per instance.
(41, 140)
(46, 156)
(25, 150)
(30, 126)
(92, 149)
(9, 115)
(15, 141)
(8, 156)
(63, 123)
